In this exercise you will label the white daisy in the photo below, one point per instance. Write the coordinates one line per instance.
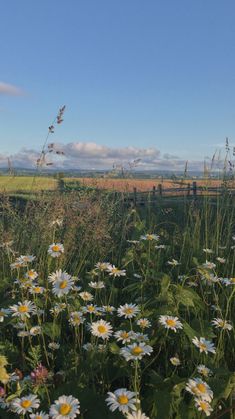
(55, 250)
(141, 337)
(101, 329)
(4, 312)
(25, 404)
(203, 370)
(136, 351)
(115, 272)
(54, 346)
(65, 407)
(207, 250)
(97, 285)
(204, 345)
(103, 266)
(39, 415)
(108, 309)
(136, 415)
(124, 336)
(86, 296)
(128, 311)
(170, 322)
(76, 318)
(26, 259)
(61, 288)
(221, 260)
(173, 262)
(143, 323)
(209, 265)
(150, 237)
(37, 290)
(203, 406)
(221, 324)
(123, 400)
(59, 276)
(23, 310)
(199, 388)
(35, 330)
(31, 274)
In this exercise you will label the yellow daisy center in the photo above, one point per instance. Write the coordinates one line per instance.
(56, 248)
(125, 335)
(201, 387)
(2, 314)
(23, 309)
(37, 289)
(63, 284)
(38, 417)
(129, 310)
(233, 280)
(91, 308)
(123, 399)
(115, 270)
(171, 322)
(30, 273)
(202, 346)
(137, 350)
(26, 404)
(65, 408)
(149, 237)
(102, 328)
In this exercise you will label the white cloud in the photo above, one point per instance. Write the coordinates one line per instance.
(9, 89)
(89, 155)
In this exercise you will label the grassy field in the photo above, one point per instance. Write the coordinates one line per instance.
(26, 183)
(105, 309)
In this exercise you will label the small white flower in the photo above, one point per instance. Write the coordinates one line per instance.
(204, 345)
(61, 288)
(31, 274)
(115, 272)
(207, 250)
(222, 324)
(39, 415)
(103, 266)
(203, 406)
(170, 322)
(54, 346)
(203, 370)
(101, 329)
(160, 246)
(143, 323)
(76, 318)
(175, 361)
(136, 351)
(136, 415)
(128, 311)
(199, 388)
(123, 336)
(86, 296)
(37, 290)
(55, 250)
(65, 407)
(209, 265)
(23, 310)
(173, 262)
(150, 237)
(97, 285)
(4, 312)
(59, 276)
(122, 399)
(35, 330)
(221, 260)
(108, 309)
(25, 404)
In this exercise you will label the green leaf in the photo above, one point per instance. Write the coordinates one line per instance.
(51, 329)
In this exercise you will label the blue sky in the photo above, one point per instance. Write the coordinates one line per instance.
(154, 74)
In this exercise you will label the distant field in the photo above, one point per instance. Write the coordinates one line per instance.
(33, 184)
(26, 183)
(127, 185)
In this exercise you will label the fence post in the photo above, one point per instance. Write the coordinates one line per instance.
(194, 188)
(135, 196)
(188, 192)
(160, 189)
(154, 193)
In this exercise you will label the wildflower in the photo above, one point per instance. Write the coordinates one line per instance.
(222, 324)
(23, 334)
(203, 370)
(53, 346)
(97, 285)
(103, 266)
(23, 310)
(101, 329)
(55, 250)
(221, 260)
(37, 290)
(228, 281)
(26, 259)
(173, 262)
(113, 271)
(136, 415)
(108, 309)
(58, 308)
(203, 406)
(31, 274)
(143, 323)
(4, 312)
(25, 404)
(204, 345)
(209, 265)
(170, 322)
(86, 296)
(76, 318)
(59, 276)
(136, 351)
(57, 222)
(150, 237)
(65, 407)
(137, 276)
(40, 374)
(175, 361)
(36, 330)
(199, 388)
(61, 288)
(88, 346)
(39, 415)
(207, 250)
(125, 337)
(128, 311)
(90, 308)
(122, 399)
(160, 246)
